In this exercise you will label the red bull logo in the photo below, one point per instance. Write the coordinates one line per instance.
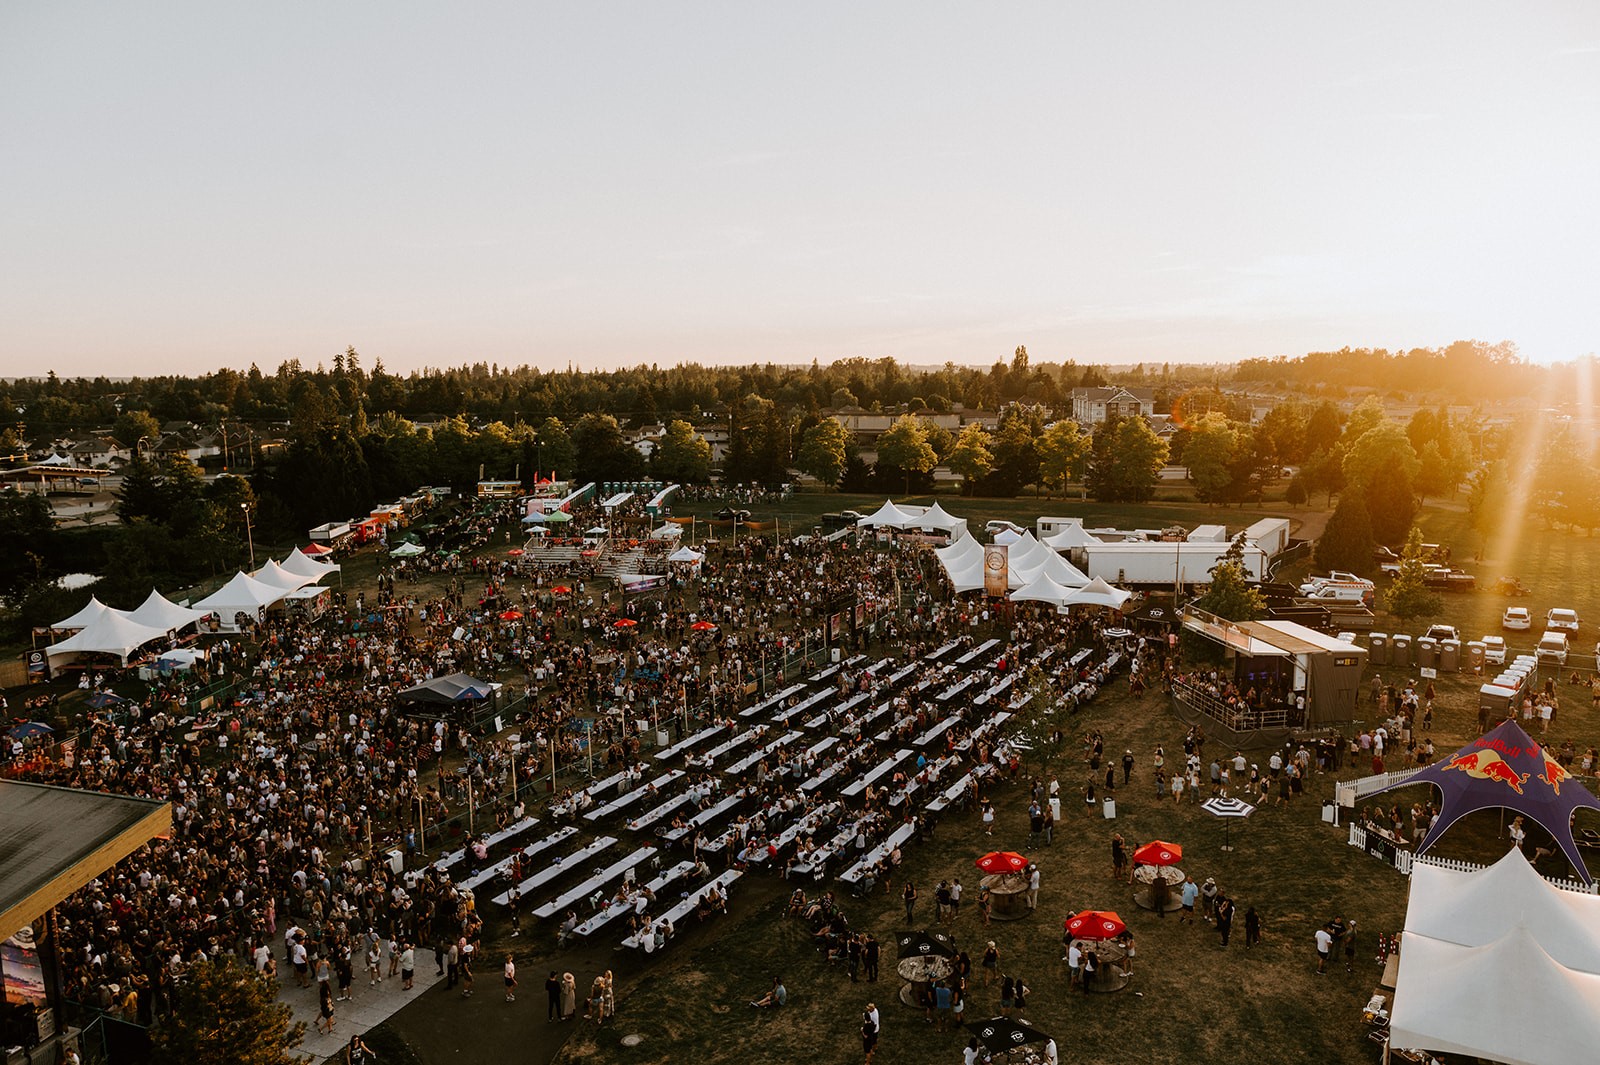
(1554, 773)
(1489, 765)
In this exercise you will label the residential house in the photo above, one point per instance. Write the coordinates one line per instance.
(1092, 406)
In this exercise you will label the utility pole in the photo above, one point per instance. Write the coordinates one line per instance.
(249, 534)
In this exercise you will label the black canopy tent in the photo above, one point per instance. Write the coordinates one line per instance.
(444, 691)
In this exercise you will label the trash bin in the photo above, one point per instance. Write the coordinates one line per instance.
(1378, 644)
(1110, 809)
(1400, 650)
(1428, 653)
(662, 739)
(1475, 655)
(1449, 656)
(397, 861)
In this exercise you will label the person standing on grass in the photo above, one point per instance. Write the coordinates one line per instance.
(1252, 928)
(991, 963)
(511, 979)
(1033, 886)
(1119, 857)
(955, 899)
(1350, 947)
(985, 901)
(869, 1037)
(1324, 940)
(552, 990)
(1224, 918)
(1190, 892)
(910, 895)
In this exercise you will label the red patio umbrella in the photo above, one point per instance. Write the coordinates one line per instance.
(561, 589)
(702, 626)
(316, 549)
(1157, 852)
(624, 623)
(514, 552)
(1002, 862)
(1095, 924)
(511, 615)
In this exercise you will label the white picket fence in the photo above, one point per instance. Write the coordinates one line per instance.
(1349, 792)
(1403, 861)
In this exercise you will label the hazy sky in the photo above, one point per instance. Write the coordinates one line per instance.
(186, 185)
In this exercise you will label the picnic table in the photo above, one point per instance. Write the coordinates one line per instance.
(495, 839)
(814, 862)
(749, 761)
(772, 700)
(582, 891)
(858, 871)
(558, 867)
(692, 899)
(942, 651)
(609, 912)
(688, 742)
(617, 805)
(599, 787)
(872, 776)
(983, 729)
(936, 731)
(959, 788)
(484, 876)
(650, 817)
(706, 816)
(977, 652)
(709, 758)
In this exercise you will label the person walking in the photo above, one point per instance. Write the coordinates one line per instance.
(869, 1034)
(324, 1022)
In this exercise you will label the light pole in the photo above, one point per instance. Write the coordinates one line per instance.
(249, 534)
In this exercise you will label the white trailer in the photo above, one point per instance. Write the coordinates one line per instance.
(331, 533)
(1166, 563)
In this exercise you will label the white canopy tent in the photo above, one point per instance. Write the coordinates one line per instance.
(967, 577)
(1098, 593)
(159, 612)
(93, 609)
(413, 550)
(1056, 568)
(1472, 935)
(889, 516)
(306, 566)
(1007, 537)
(937, 519)
(112, 633)
(1070, 537)
(669, 531)
(278, 577)
(686, 554)
(960, 552)
(1458, 999)
(1042, 590)
(241, 595)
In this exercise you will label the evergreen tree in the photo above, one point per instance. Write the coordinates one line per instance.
(1409, 596)
(1230, 594)
(1346, 542)
(227, 1015)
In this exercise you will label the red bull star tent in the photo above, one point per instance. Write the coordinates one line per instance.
(1507, 768)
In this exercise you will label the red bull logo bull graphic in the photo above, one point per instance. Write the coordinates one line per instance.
(1554, 772)
(1485, 764)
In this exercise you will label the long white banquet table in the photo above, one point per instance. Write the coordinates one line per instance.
(598, 880)
(611, 912)
(509, 832)
(558, 867)
(483, 876)
(688, 743)
(873, 776)
(617, 805)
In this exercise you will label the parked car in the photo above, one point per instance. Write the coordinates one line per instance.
(1494, 650)
(1001, 525)
(1441, 633)
(1553, 647)
(853, 515)
(1511, 586)
(1516, 618)
(1562, 620)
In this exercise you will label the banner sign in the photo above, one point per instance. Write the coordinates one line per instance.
(996, 572)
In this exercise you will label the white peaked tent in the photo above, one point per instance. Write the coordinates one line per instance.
(1007, 537)
(54, 460)
(159, 612)
(112, 633)
(936, 518)
(1475, 909)
(277, 577)
(961, 552)
(669, 531)
(242, 594)
(1454, 998)
(93, 609)
(686, 554)
(1053, 566)
(967, 577)
(1098, 593)
(1070, 537)
(1042, 590)
(305, 566)
(888, 516)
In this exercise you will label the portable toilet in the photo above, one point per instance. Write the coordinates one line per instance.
(1400, 650)
(1497, 701)
(1475, 656)
(1428, 652)
(1378, 648)
(1449, 655)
